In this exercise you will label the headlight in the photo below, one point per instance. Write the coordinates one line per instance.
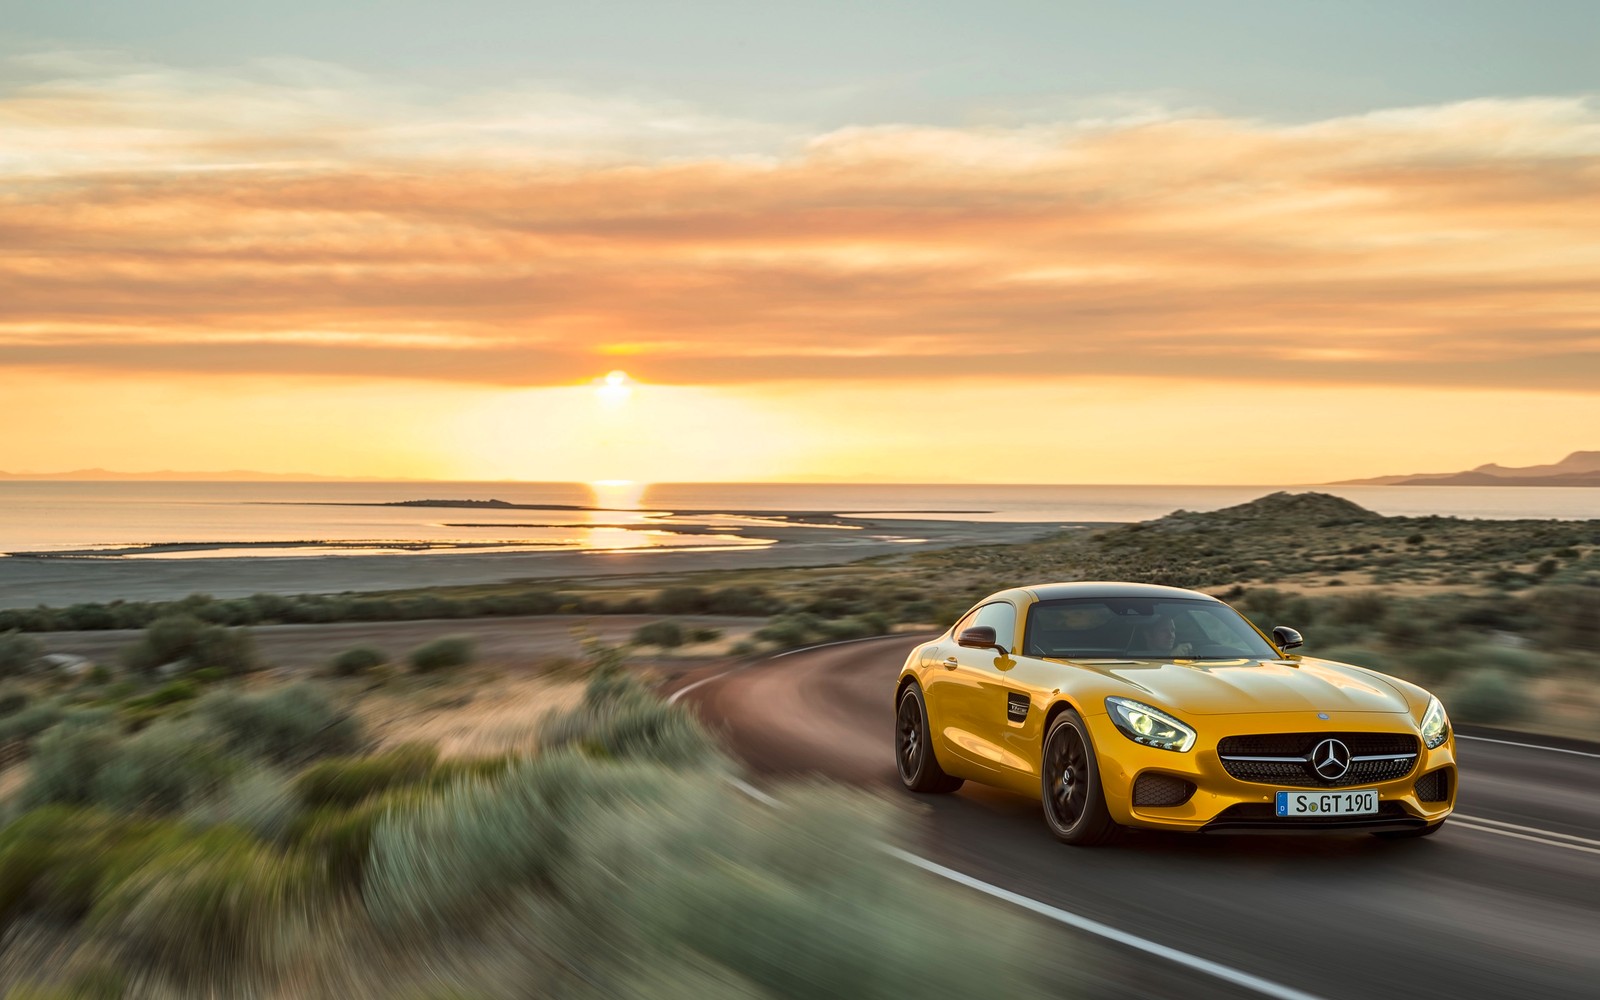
(1435, 725)
(1150, 726)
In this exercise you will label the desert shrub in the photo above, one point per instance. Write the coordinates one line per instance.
(737, 599)
(31, 721)
(445, 862)
(207, 909)
(1488, 696)
(58, 860)
(258, 800)
(170, 693)
(442, 654)
(13, 700)
(289, 725)
(66, 764)
(1570, 616)
(705, 634)
(1366, 608)
(184, 638)
(1512, 660)
(853, 921)
(681, 601)
(664, 634)
(789, 631)
(620, 718)
(164, 769)
(359, 660)
(19, 654)
(345, 781)
(1432, 665)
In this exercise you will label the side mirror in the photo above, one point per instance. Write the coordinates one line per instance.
(1285, 637)
(980, 637)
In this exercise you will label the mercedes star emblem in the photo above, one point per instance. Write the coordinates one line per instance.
(1330, 759)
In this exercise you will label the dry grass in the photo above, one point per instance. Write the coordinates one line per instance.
(475, 716)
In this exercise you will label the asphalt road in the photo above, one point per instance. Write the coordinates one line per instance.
(1504, 902)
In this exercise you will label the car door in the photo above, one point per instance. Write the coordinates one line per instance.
(977, 702)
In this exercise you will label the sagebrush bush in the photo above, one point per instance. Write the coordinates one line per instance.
(665, 634)
(259, 800)
(442, 654)
(1488, 696)
(19, 654)
(800, 902)
(209, 909)
(289, 725)
(13, 700)
(343, 782)
(359, 660)
(184, 638)
(448, 862)
(164, 769)
(60, 860)
(31, 721)
(621, 719)
(66, 763)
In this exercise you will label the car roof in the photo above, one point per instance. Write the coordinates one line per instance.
(1093, 589)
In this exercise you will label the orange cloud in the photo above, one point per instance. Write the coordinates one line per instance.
(336, 230)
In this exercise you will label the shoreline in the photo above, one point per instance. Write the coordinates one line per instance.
(31, 581)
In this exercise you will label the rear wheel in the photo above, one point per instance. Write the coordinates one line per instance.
(1412, 834)
(913, 751)
(1074, 803)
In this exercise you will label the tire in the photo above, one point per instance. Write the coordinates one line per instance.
(913, 750)
(1413, 834)
(1069, 778)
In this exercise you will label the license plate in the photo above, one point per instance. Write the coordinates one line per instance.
(1358, 803)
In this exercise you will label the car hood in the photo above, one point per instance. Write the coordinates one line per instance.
(1249, 686)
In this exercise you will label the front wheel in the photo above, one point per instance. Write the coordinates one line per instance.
(913, 751)
(1074, 803)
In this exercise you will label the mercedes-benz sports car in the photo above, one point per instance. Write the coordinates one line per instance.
(1127, 705)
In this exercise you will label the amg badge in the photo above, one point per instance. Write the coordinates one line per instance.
(1016, 706)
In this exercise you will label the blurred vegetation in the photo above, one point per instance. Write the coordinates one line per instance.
(200, 857)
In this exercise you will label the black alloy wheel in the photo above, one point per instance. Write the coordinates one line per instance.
(1074, 804)
(913, 752)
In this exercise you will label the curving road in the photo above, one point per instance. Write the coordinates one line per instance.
(1504, 902)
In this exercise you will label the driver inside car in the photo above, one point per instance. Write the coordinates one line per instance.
(1161, 637)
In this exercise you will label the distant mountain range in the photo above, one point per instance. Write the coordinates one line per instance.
(1581, 468)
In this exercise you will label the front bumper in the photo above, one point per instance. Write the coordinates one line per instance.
(1221, 802)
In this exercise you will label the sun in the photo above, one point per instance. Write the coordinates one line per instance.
(614, 388)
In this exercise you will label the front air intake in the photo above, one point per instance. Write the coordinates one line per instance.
(1160, 790)
(1434, 786)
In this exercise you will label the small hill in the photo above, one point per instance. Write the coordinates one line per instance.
(1278, 511)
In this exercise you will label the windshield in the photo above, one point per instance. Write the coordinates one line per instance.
(1141, 628)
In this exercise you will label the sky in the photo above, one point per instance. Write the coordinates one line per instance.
(935, 242)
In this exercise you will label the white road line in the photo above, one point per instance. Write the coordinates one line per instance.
(1528, 829)
(1265, 987)
(674, 696)
(1524, 836)
(1530, 746)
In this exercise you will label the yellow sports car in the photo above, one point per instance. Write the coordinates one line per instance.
(1128, 705)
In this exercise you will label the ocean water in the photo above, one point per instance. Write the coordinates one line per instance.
(281, 518)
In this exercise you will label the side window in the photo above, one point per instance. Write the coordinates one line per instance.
(1000, 616)
(965, 622)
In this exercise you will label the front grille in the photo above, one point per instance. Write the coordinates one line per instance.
(1158, 790)
(1434, 787)
(1240, 758)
